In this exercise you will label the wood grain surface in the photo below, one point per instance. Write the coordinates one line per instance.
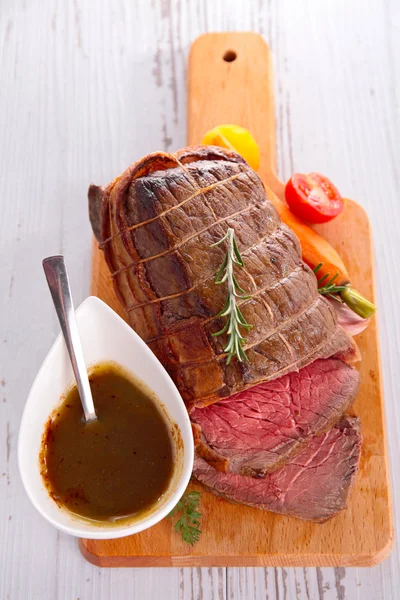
(240, 91)
(86, 88)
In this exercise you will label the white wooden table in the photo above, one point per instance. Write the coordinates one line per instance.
(87, 87)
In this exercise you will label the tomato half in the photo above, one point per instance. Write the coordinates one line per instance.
(313, 197)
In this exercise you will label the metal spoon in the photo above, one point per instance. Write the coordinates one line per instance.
(57, 279)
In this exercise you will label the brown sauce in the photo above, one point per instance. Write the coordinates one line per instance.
(117, 466)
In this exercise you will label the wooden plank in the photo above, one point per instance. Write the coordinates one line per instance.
(94, 91)
(240, 91)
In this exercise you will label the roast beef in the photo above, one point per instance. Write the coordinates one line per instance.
(158, 222)
(255, 431)
(313, 485)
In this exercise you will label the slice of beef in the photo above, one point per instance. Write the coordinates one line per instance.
(158, 222)
(313, 485)
(255, 431)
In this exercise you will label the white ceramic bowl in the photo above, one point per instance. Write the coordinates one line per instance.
(105, 337)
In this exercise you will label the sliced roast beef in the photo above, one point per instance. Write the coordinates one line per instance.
(255, 431)
(158, 222)
(313, 485)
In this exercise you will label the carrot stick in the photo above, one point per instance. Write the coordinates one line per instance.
(315, 249)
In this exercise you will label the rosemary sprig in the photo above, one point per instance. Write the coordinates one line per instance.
(328, 288)
(345, 294)
(189, 523)
(231, 309)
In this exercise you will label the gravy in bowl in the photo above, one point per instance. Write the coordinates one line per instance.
(117, 466)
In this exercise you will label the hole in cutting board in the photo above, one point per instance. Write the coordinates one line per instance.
(230, 56)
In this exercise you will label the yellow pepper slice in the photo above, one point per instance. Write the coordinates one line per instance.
(235, 138)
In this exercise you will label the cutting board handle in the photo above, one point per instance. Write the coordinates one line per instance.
(230, 80)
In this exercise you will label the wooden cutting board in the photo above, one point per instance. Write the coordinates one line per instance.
(230, 81)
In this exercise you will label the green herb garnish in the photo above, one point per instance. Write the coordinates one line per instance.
(189, 523)
(328, 288)
(231, 310)
(345, 294)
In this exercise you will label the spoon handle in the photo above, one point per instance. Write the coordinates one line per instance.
(57, 279)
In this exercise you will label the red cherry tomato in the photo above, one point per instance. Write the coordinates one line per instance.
(313, 198)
